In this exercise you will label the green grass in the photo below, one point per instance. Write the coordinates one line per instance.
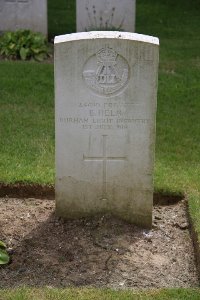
(61, 17)
(27, 118)
(98, 294)
(177, 168)
(27, 122)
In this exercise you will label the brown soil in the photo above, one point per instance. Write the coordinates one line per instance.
(100, 252)
(25, 190)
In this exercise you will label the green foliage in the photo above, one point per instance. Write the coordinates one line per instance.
(23, 44)
(4, 257)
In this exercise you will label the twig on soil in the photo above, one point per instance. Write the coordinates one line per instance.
(106, 262)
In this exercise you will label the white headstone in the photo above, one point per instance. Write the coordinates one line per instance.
(106, 87)
(23, 14)
(105, 15)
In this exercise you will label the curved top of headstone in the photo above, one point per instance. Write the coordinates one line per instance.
(106, 35)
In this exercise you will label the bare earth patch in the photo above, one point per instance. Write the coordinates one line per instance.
(101, 252)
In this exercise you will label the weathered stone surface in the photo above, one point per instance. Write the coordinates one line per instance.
(106, 86)
(105, 15)
(23, 14)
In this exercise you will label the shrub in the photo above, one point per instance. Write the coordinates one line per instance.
(23, 44)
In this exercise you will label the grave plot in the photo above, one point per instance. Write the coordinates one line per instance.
(101, 251)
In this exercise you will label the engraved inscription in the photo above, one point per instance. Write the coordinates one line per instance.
(2, 3)
(17, 1)
(104, 116)
(106, 73)
(104, 158)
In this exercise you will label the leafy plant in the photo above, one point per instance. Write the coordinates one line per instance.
(23, 44)
(4, 257)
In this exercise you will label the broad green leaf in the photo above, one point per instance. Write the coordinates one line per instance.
(23, 44)
(36, 50)
(39, 57)
(4, 257)
(2, 245)
(11, 46)
(23, 53)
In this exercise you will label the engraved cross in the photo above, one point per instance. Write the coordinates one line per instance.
(104, 158)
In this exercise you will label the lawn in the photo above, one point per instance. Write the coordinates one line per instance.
(97, 294)
(61, 17)
(27, 110)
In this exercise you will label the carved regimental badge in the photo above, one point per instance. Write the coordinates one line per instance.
(106, 72)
